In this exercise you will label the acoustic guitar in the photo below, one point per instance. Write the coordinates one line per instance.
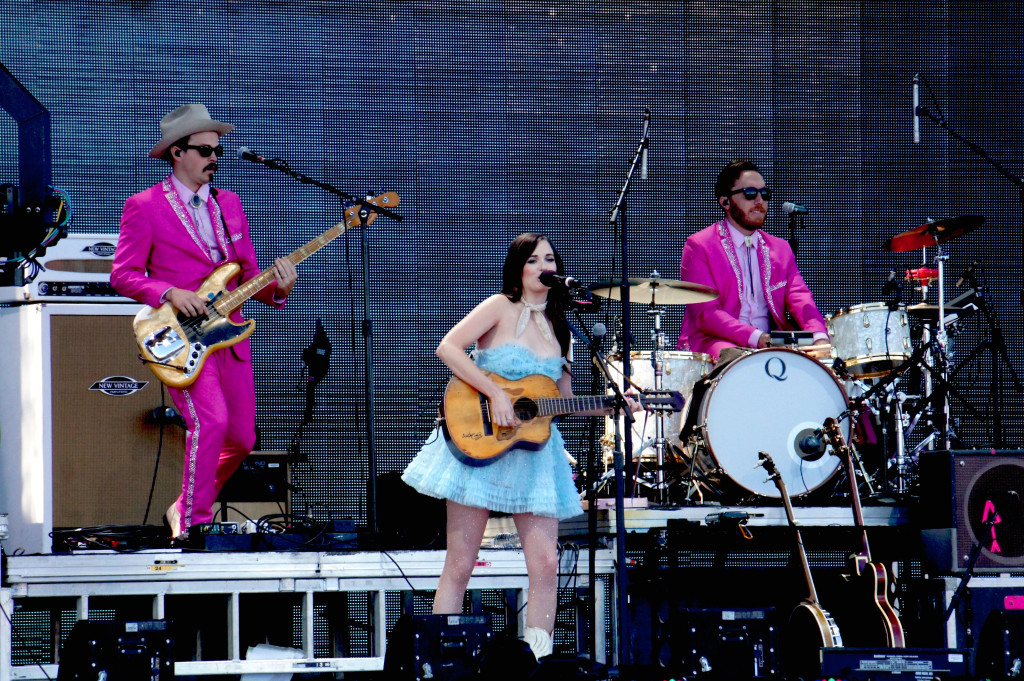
(476, 440)
(176, 346)
(811, 627)
(882, 625)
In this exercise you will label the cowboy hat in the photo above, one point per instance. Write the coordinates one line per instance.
(184, 121)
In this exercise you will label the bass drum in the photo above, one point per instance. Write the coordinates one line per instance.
(770, 400)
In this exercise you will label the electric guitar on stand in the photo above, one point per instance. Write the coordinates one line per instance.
(176, 346)
(811, 627)
(882, 625)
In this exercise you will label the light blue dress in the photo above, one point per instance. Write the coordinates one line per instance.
(537, 481)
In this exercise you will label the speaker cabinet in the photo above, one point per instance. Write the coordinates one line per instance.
(79, 441)
(961, 491)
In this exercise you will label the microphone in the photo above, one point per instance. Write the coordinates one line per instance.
(599, 331)
(917, 118)
(968, 273)
(892, 291)
(647, 143)
(789, 208)
(246, 154)
(551, 280)
(317, 355)
(809, 444)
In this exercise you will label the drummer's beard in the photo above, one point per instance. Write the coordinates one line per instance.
(752, 219)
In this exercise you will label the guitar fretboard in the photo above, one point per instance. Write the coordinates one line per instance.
(557, 406)
(231, 301)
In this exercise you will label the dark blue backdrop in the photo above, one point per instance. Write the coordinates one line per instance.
(493, 118)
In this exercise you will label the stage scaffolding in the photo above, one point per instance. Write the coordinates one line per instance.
(148, 582)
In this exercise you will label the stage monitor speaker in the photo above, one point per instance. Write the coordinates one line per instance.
(79, 429)
(960, 492)
(118, 651)
(409, 520)
(442, 647)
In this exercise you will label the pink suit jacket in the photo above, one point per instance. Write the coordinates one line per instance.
(709, 258)
(159, 247)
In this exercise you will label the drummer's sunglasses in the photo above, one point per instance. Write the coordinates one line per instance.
(750, 193)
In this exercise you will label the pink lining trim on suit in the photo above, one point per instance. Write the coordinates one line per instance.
(192, 456)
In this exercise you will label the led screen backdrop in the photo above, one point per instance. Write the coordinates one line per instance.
(494, 118)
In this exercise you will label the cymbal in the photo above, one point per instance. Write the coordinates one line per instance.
(933, 232)
(927, 311)
(658, 291)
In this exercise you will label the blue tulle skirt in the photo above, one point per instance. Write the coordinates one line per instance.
(537, 481)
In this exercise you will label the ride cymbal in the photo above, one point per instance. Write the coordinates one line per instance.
(657, 291)
(933, 232)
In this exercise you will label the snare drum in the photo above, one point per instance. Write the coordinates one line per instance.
(681, 371)
(870, 338)
(769, 400)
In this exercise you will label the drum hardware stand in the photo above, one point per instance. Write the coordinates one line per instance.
(885, 385)
(938, 342)
(995, 344)
(658, 365)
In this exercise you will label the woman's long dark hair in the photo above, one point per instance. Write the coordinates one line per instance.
(519, 251)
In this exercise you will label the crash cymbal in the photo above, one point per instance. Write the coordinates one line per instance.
(933, 232)
(659, 291)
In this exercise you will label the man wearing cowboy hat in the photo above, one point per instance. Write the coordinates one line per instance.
(173, 236)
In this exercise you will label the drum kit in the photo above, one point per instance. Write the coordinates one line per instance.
(776, 399)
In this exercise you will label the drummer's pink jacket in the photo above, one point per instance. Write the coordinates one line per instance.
(709, 258)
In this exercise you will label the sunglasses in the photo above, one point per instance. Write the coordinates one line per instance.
(750, 193)
(205, 149)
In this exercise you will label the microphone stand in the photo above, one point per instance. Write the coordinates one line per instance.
(596, 387)
(954, 601)
(367, 326)
(619, 406)
(981, 153)
(794, 243)
(624, 459)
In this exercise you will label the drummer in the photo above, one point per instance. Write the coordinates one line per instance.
(731, 254)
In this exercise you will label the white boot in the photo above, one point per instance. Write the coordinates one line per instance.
(539, 641)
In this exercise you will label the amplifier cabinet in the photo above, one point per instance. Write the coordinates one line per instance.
(78, 433)
(961, 492)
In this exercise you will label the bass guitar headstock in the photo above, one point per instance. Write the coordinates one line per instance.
(353, 218)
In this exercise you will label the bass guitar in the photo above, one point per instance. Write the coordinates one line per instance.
(811, 627)
(476, 440)
(176, 346)
(882, 626)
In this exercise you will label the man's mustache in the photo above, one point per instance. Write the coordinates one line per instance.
(210, 166)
